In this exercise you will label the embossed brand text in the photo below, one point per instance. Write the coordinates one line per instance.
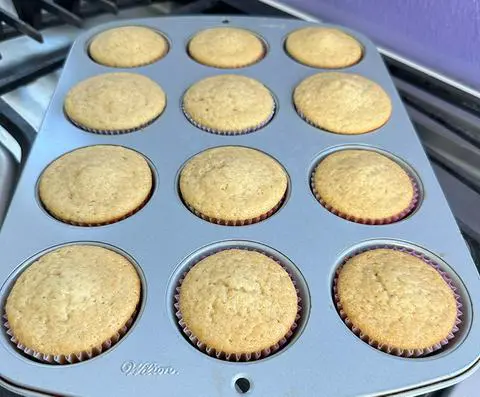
(145, 369)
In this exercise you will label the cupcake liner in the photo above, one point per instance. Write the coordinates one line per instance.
(243, 357)
(241, 66)
(94, 224)
(212, 65)
(371, 221)
(163, 55)
(241, 222)
(132, 67)
(74, 357)
(112, 132)
(412, 353)
(237, 132)
(308, 121)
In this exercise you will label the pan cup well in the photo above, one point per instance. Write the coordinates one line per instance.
(223, 171)
(207, 47)
(303, 300)
(387, 282)
(124, 262)
(85, 170)
(128, 46)
(361, 205)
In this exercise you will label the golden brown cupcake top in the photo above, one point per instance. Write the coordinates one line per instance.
(396, 299)
(96, 185)
(72, 299)
(226, 48)
(114, 102)
(128, 46)
(363, 184)
(323, 47)
(228, 104)
(232, 183)
(238, 301)
(343, 103)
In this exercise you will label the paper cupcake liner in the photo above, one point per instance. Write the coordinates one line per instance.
(163, 55)
(74, 357)
(371, 221)
(308, 121)
(247, 356)
(240, 222)
(111, 221)
(131, 67)
(234, 67)
(112, 132)
(235, 132)
(212, 65)
(412, 353)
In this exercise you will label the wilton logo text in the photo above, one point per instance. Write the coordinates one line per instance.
(147, 368)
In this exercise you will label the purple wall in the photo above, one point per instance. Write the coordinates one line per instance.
(443, 35)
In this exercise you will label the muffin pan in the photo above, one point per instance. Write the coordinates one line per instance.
(164, 239)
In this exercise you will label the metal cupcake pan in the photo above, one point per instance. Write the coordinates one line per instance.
(164, 237)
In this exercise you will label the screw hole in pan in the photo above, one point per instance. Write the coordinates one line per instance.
(242, 384)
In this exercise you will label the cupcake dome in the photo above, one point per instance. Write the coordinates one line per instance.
(114, 102)
(238, 302)
(96, 185)
(323, 47)
(364, 186)
(228, 104)
(233, 185)
(342, 103)
(226, 48)
(128, 47)
(396, 300)
(72, 302)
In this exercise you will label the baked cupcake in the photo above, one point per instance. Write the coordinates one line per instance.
(364, 186)
(228, 104)
(233, 185)
(238, 305)
(226, 48)
(96, 185)
(397, 301)
(72, 303)
(342, 103)
(322, 47)
(114, 103)
(128, 47)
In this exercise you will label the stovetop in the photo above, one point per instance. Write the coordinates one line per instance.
(446, 118)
